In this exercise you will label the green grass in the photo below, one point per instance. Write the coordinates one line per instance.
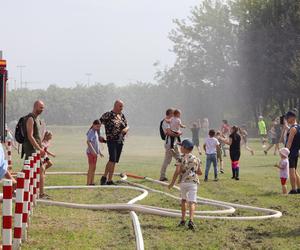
(63, 228)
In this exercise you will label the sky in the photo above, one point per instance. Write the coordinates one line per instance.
(65, 42)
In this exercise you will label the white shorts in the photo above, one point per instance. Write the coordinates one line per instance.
(188, 191)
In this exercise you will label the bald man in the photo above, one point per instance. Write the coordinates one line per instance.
(115, 129)
(33, 141)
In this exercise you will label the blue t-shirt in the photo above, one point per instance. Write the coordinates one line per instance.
(92, 136)
(3, 163)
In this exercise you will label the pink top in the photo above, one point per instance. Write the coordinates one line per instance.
(175, 124)
(284, 168)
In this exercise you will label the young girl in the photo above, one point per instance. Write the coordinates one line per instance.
(244, 135)
(4, 173)
(46, 144)
(176, 125)
(93, 150)
(188, 170)
(219, 153)
(234, 142)
(283, 166)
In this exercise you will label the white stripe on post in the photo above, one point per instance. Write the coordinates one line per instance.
(9, 154)
(7, 215)
(18, 211)
(30, 204)
(26, 170)
(38, 174)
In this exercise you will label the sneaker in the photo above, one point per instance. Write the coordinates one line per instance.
(103, 181)
(293, 192)
(266, 152)
(110, 183)
(216, 179)
(181, 223)
(163, 179)
(233, 177)
(205, 179)
(191, 225)
(298, 190)
(237, 178)
(222, 171)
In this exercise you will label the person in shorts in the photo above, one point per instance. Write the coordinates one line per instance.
(115, 129)
(283, 167)
(219, 153)
(187, 169)
(293, 144)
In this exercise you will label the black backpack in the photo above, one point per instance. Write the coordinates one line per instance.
(20, 132)
(161, 131)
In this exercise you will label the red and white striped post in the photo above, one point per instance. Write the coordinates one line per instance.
(26, 203)
(35, 162)
(38, 174)
(7, 215)
(9, 154)
(18, 211)
(30, 204)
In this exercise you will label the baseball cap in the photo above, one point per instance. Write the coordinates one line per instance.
(187, 143)
(290, 113)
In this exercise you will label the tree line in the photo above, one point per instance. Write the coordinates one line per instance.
(235, 60)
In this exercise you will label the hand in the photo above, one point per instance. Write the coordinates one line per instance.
(276, 166)
(42, 152)
(125, 130)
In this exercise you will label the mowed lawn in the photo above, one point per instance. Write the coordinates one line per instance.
(64, 228)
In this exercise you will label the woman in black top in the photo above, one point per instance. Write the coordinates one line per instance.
(234, 142)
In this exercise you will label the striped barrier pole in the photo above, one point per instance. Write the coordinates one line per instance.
(38, 174)
(35, 162)
(30, 203)
(26, 171)
(7, 215)
(9, 155)
(18, 211)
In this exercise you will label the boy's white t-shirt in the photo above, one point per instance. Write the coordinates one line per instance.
(284, 168)
(211, 144)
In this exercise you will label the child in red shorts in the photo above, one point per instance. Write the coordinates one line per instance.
(284, 168)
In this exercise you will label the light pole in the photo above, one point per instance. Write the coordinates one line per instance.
(88, 78)
(21, 74)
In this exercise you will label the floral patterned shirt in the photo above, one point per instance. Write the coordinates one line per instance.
(189, 165)
(114, 124)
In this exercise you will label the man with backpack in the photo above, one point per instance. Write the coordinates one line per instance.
(28, 133)
(165, 134)
(293, 144)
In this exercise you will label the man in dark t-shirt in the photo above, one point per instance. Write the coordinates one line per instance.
(116, 128)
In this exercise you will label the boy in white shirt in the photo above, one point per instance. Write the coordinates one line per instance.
(187, 169)
(210, 147)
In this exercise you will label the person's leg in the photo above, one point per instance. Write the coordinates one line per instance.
(183, 209)
(49, 164)
(224, 149)
(208, 163)
(284, 189)
(111, 171)
(293, 178)
(276, 149)
(192, 207)
(42, 180)
(172, 138)
(268, 148)
(215, 164)
(166, 163)
(93, 170)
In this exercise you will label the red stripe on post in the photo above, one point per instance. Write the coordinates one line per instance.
(7, 192)
(25, 218)
(6, 247)
(17, 232)
(26, 196)
(20, 183)
(9, 153)
(19, 208)
(7, 222)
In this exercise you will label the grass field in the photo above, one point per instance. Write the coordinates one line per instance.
(62, 228)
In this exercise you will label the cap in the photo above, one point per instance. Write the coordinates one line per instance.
(187, 143)
(285, 152)
(260, 117)
(290, 114)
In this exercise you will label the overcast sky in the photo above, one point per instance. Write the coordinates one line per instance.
(59, 41)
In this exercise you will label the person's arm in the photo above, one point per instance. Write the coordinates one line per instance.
(29, 128)
(228, 142)
(199, 170)
(176, 173)
(50, 153)
(169, 132)
(91, 147)
(204, 147)
(292, 134)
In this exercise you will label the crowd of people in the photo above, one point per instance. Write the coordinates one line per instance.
(216, 145)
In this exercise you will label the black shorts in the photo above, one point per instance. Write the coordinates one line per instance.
(235, 155)
(293, 161)
(114, 150)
